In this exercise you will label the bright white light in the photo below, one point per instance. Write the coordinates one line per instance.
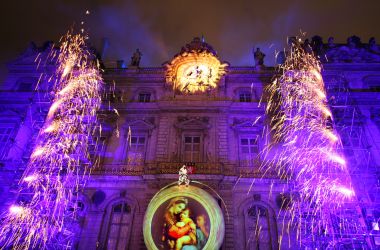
(16, 209)
(37, 152)
(52, 127)
(335, 158)
(54, 107)
(338, 159)
(375, 226)
(30, 178)
(330, 135)
(343, 190)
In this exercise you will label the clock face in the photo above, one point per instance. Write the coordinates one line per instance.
(195, 72)
(195, 78)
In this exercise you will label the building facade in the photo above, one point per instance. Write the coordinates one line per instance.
(221, 133)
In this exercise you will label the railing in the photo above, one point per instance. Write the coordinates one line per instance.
(173, 168)
(118, 169)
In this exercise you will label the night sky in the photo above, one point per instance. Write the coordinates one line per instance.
(161, 27)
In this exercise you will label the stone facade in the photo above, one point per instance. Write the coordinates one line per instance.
(145, 146)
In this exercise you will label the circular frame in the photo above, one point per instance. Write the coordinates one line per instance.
(212, 208)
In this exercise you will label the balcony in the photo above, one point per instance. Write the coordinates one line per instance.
(159, 168)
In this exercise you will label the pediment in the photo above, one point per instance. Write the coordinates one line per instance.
(247, 125)
(193, 123)
(140, 125)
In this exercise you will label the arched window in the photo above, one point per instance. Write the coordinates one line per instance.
(260, 227)
(119, 227)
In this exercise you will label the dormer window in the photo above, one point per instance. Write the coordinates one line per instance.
(144, 97)
(245, 96)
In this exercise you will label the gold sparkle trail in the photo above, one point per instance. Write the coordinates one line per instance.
(305, 150)
(61, 161)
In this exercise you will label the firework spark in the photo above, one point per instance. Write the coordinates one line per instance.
(61, 161)
(305, 147)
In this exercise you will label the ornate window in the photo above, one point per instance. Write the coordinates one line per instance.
(192, 134)
(119, 227)
(136, 141)
(145, 97)
(136, 149)
(245, 96)
(192, 147)
(5, 135)
(249, 149)
(96, 147)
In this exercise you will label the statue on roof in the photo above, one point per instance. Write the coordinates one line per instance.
(259, 57)
(136, 57)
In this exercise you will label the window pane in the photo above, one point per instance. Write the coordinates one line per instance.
(254, 149)
(188, 156)
(122, 244)
(124, 231)
(196, 147)
(253, 141)
(196, 139)
(140, 148)
(144, 97)
(245, 97)
(114, 230)
(133, 139)
(116, 217)
(127, 208)
(126, 218)
(245, 150)
(252, 212)
(117, 208)
(195, 157)
(187, 147)
(188, 139)
(262, 211)
(244, 141)
(141, 140)
(111, 245)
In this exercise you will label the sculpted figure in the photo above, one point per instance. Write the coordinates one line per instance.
(259, 57)
(330, 42)
(136, 57)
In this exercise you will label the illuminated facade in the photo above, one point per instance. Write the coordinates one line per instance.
(197, 109)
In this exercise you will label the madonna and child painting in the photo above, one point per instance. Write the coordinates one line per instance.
(184, 224)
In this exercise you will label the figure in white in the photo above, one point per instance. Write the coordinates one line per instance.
(183, 177)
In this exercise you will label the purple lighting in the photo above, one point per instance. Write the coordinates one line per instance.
(309, 157)
(61, 161)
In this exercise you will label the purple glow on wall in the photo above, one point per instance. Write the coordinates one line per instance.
(309, 149)
(61, 161)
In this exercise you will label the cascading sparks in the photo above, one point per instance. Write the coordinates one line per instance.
(61, 161)
(305, 148)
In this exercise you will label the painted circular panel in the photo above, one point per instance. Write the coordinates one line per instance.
(183, 218)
